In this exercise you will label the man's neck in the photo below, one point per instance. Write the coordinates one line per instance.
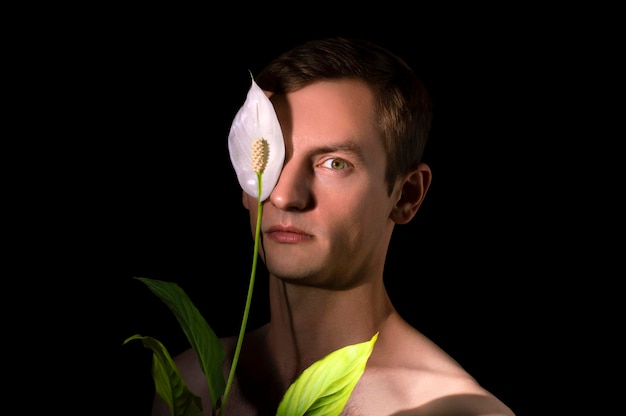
(307, 323)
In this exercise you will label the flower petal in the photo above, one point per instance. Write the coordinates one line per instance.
(256, 119)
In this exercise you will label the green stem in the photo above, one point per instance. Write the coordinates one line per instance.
(246, 311)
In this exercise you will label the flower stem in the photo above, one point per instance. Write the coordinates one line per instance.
(246, 312)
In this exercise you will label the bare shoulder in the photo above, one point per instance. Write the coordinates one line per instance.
(408, 374)
(189, 366)
(410, 392)
(461, 405)
(190, 369)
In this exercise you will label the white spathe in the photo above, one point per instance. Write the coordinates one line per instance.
(256, 119)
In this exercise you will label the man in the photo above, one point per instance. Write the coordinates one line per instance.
(355, 120)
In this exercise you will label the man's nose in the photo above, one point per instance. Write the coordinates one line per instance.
(292, 191)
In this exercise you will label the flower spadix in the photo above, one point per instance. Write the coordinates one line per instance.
(256, 144)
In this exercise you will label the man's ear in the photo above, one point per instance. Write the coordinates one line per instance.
(414, 187)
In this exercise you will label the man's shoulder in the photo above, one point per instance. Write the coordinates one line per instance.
(461, 405)
(403, 392)
(188, 362)
(416, 377)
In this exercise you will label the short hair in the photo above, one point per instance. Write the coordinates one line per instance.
(404, 106)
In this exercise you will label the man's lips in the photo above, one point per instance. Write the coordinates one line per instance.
(287, 234)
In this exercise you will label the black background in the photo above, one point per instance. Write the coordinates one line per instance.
(146, 187)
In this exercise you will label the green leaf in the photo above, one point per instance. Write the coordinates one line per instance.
(200, 335)
(168, 382)
(323, 389)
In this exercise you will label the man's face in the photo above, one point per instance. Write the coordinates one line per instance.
(327, 222)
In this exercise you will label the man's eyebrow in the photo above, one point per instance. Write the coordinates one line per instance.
(345, 147)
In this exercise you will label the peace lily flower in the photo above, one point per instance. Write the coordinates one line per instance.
(256, 121)
(257, 152)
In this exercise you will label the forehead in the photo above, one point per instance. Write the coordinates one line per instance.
(337, 110)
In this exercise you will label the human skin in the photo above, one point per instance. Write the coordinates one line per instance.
(328, 220)
(326, 228)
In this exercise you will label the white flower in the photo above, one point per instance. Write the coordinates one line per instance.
(256, 120)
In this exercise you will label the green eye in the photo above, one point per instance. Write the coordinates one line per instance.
(338, 164)
(335, 164)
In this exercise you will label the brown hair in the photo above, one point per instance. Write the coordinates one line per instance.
(404, 106)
